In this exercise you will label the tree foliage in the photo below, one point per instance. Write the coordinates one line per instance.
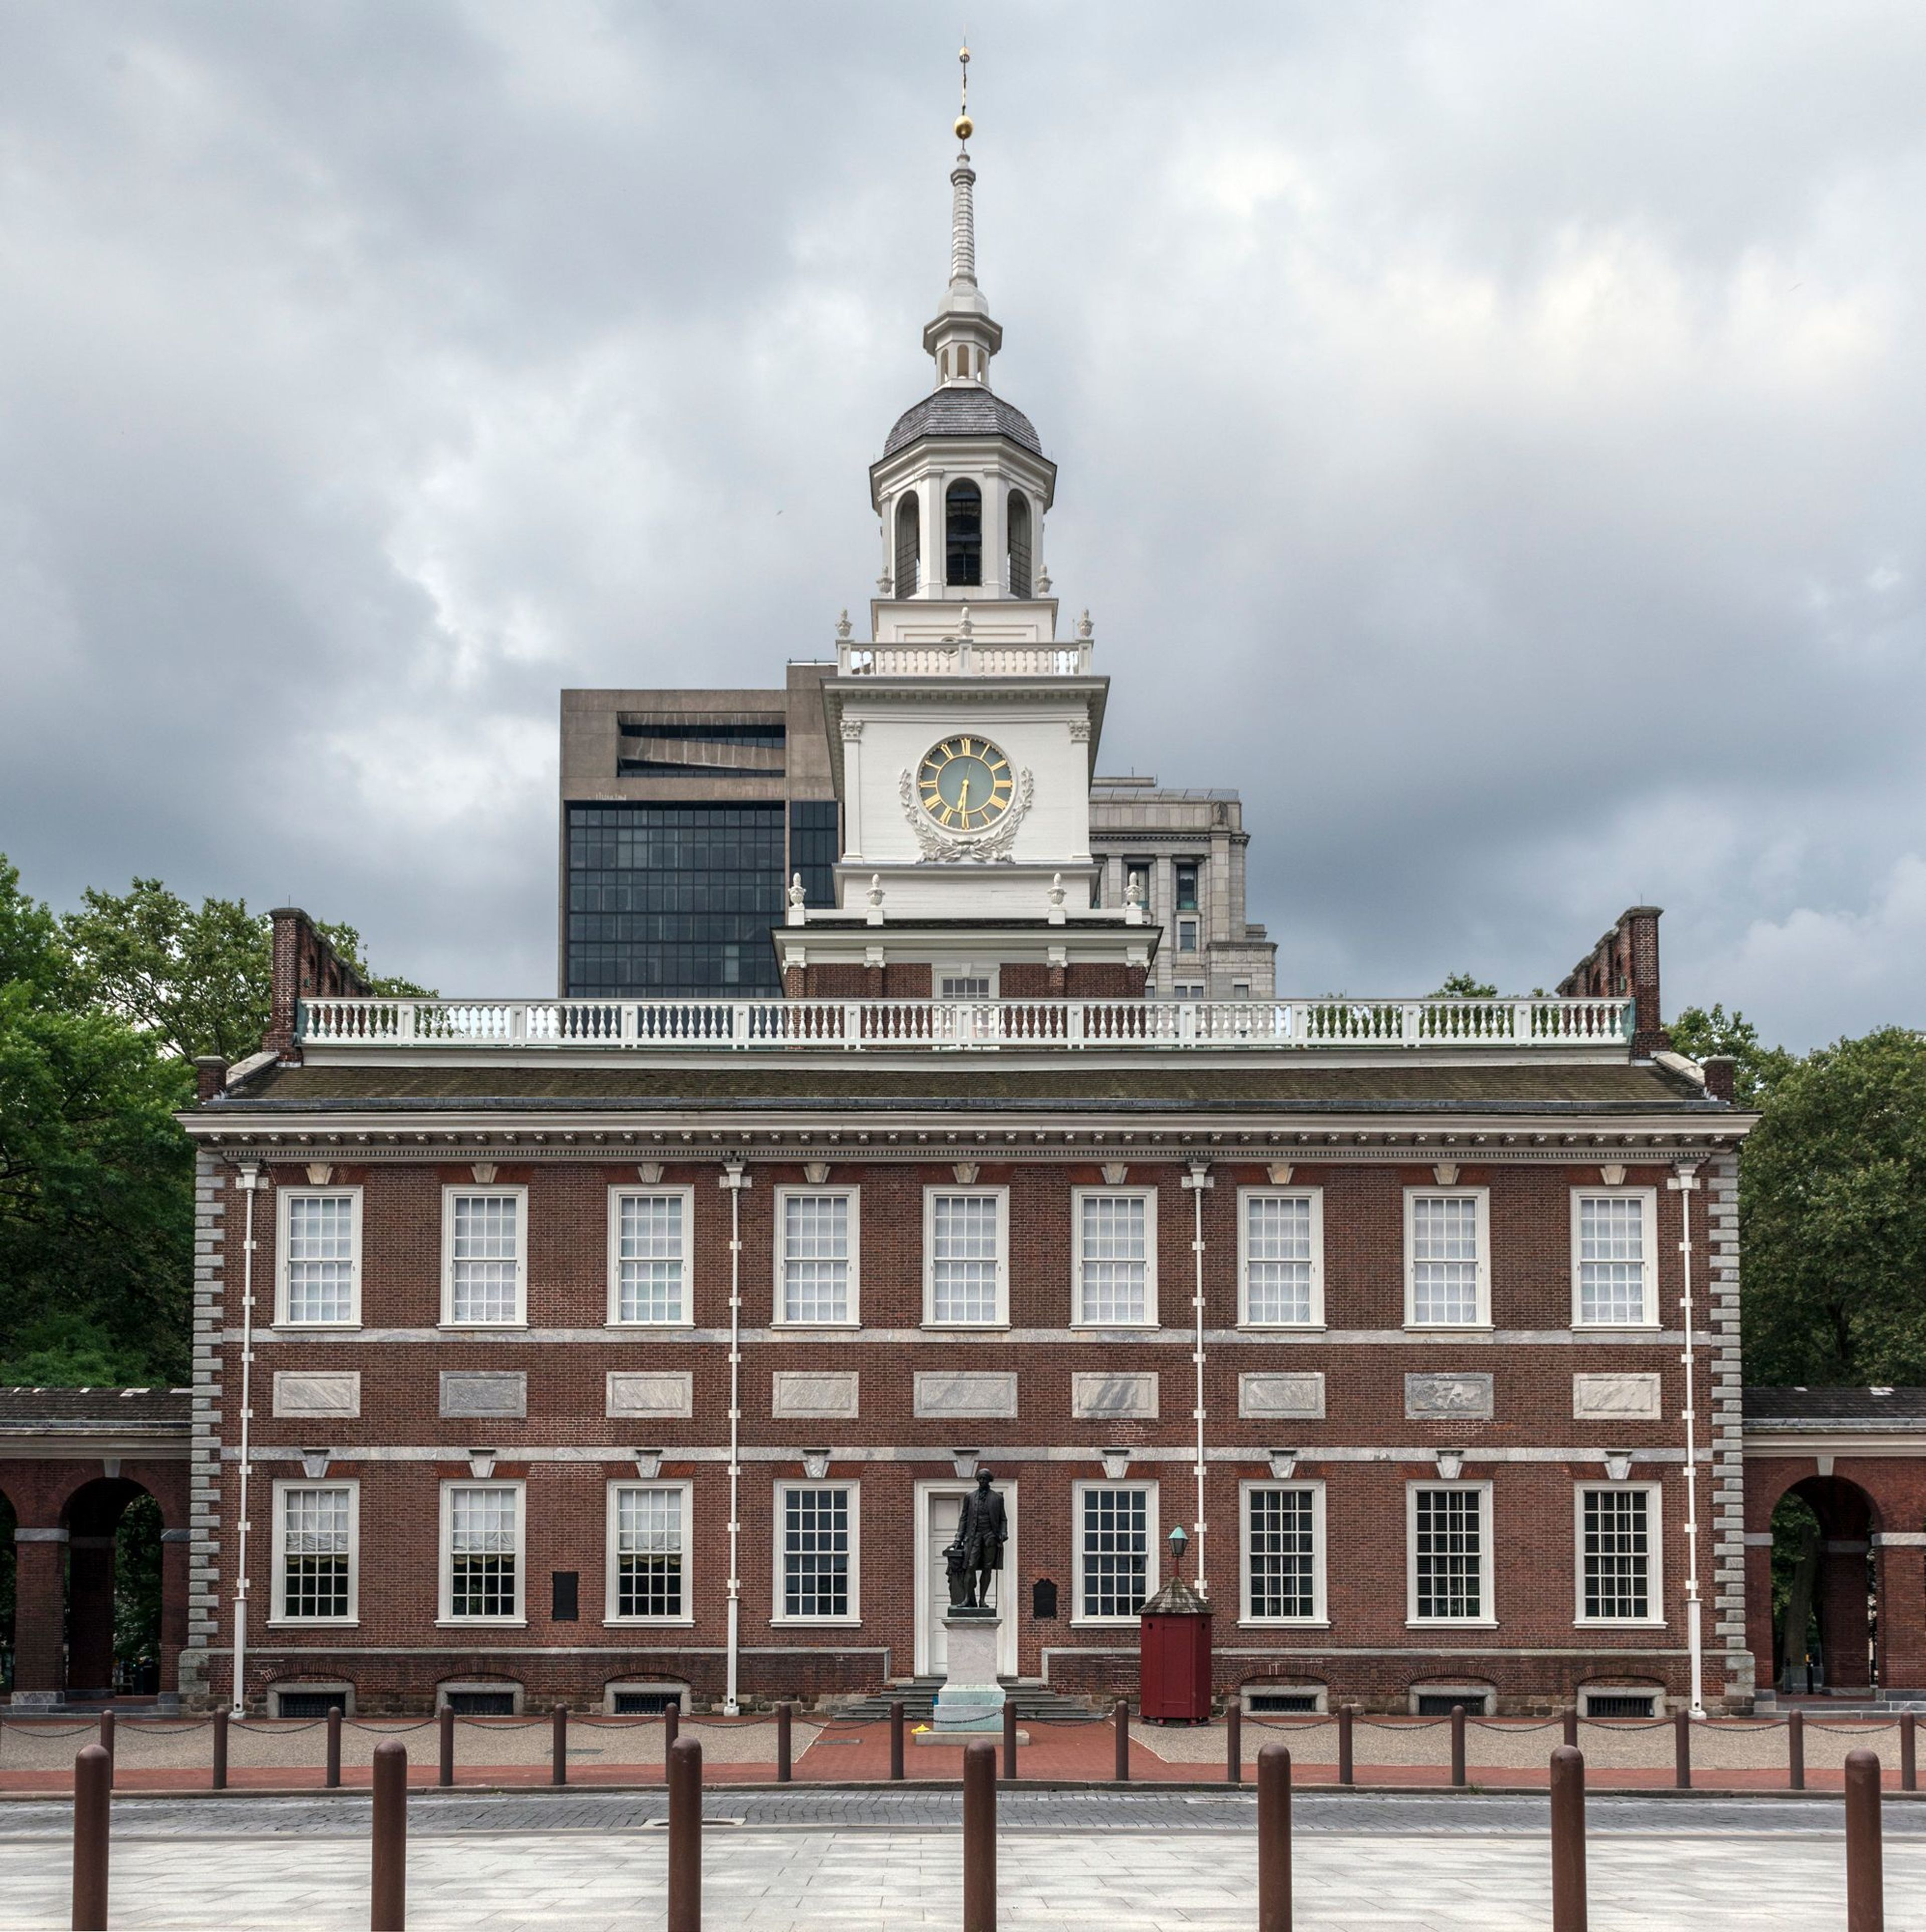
(1832, 1216)
(1466, 986)
(1698, 1034)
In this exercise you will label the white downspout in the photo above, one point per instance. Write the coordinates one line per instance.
(1684, 1183)
(735, 1180)
(248, 1180)
(1197, 1181)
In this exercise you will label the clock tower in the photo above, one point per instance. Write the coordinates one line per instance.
(963, 732)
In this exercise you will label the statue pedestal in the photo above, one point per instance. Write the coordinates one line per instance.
(971, 1699)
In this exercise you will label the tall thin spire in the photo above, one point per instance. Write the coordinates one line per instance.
(963, 338)
(963, 204)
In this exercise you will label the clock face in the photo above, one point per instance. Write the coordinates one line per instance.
(965, 783)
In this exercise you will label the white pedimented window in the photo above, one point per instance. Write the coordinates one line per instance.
(1619, 1553)
(1448, 1258)
(318, 1257)
(817, 1245)
(1614, 1252)
(649, 1255)
(1280, 1257)
(1115, 1259)
(966, 1257)
(482, 1568)
(484, 1270)
(316, 1551)
(817, 1547)
(1116, 1550)
(1448, 1534)
(648, 1552)
(1283, 1525)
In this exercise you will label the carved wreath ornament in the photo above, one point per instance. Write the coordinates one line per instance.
(949, 846)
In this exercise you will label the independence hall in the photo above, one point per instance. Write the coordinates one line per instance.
(609, 1349)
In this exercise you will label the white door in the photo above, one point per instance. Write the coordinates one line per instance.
(938, 1504)
(941, 1533)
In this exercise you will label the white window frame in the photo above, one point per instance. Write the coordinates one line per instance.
(1320, 1616)
(1315, 1196)
(1001, 1196)
(1079, 1195)
(1489, 1620)
(611, 1567)
(783, 1196)
(617, 1195)
(1648, 1198)
(777, 1514)
(1482, 1196)
(277, 1599)
(941, 970)
(1153, 1531)
(1655, 1496)
(446, 1615)
(470, 1191)
(284, 1197)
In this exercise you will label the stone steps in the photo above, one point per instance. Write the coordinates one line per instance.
(917, 1695)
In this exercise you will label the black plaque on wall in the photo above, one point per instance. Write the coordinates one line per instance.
(1043, 1599)
(568, 1585)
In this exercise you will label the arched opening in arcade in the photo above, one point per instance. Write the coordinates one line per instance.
(113, 1625)
(1826, 1620)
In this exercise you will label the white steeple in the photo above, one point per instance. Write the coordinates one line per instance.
(962, 338)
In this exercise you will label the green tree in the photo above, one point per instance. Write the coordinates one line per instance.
(1832, 1216)
(1466, 986)
(1698, 1033)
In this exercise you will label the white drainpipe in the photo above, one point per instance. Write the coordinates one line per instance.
(248, 1180)
(735, 1180)
(1197, 1181)
(1684, 1183)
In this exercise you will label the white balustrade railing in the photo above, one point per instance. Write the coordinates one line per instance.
(889, 1025)
(963, 658)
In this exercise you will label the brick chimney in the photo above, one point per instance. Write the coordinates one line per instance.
(210, 1076)
(1721, 1070)
(305, 967)
(1624, 964)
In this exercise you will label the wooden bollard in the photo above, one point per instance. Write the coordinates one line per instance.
(1458, 1745)
(979, 1837)
(558, 1747)
(1865, 1873)
(896, 1742)
(1347, 1770)
(1010, 1741)
(388, 1893)
(686, 1836)
(784, 1717)
(107, 1744)
(1120, 1718)
(1571, 1726)
(1234, 1741)
(1568, 1902)
(331, 1777)
(220, 1780)
(93, 1805)
(1682, 1750)
(1909, 1762)
(1274, 1839)
(445, 1771)
(1796, 1750)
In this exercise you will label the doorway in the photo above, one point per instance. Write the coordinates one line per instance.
(937, 1505)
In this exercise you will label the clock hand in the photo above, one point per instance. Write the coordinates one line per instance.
(963, 803)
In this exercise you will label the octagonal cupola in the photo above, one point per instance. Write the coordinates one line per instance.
(962, 485)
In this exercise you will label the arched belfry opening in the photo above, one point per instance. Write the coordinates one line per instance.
(963, 544)
(1021, 546)
(909, 544)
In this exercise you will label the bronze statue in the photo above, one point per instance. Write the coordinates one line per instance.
(976, 1555)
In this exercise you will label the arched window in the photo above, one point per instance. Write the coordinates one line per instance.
(1019, 543)
(909, 544)
(963, 544)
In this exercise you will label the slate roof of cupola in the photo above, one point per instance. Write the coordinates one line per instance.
(962, 410)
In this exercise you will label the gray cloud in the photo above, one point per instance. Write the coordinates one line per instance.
(1491, 437)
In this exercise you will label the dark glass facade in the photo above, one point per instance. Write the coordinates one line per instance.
(813, 851)
(675, 900)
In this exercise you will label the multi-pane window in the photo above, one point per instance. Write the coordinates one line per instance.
(650, 1233)
(815, 1529)
(484, 1256)
(965, 986)
(314, 1533)
(1115, 1259)
(1615, 1552)
(1445, 1240)
(1280, 1552)
(1611, 1255)
(319, 1256)
(648, 1550)
(1184, 877)
(816, 1262)
(1283, 1264)
(965, 1251)
(1187, 935)
(483, 1532)
(1115, 1534)
(1448, 1553)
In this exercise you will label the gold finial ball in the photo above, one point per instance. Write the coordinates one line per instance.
(964, 56)
(965, 127)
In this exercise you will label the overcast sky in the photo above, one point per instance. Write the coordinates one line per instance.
(1493, 437)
